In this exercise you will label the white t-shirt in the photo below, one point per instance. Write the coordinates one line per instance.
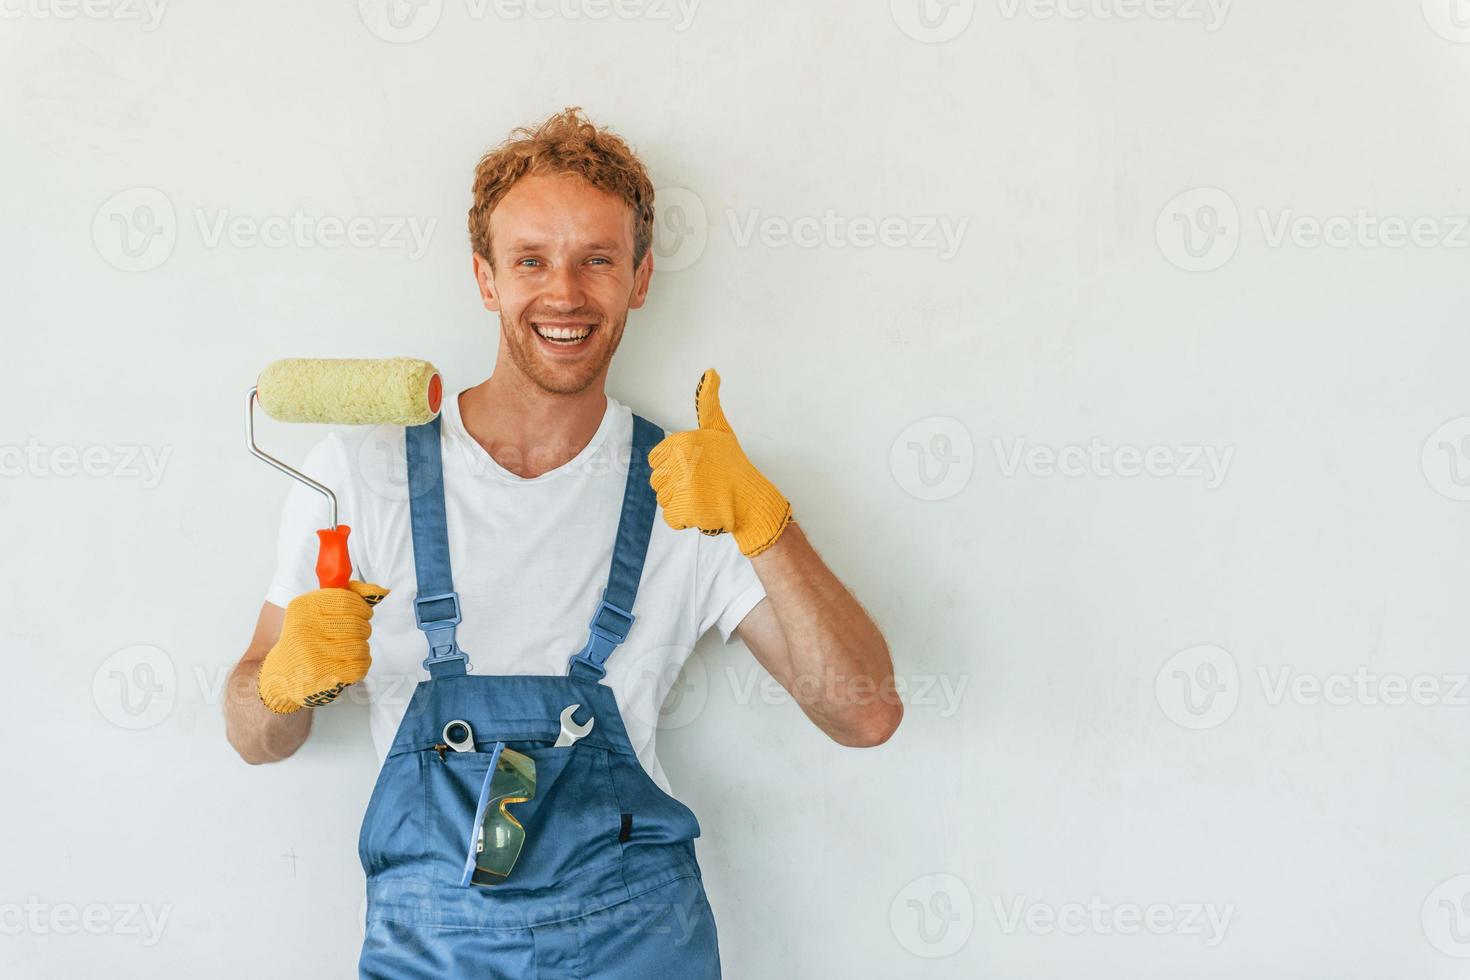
(530, 560)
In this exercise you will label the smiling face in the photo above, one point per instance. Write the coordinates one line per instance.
(563, 279)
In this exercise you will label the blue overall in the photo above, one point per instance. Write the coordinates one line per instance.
(606, 885)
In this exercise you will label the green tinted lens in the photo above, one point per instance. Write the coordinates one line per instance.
(500, 836)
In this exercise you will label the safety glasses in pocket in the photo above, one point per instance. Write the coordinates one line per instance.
(497, 837)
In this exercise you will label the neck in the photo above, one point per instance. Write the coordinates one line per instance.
(526, 429)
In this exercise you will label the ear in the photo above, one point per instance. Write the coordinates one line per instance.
(641, 279)
(485, 281)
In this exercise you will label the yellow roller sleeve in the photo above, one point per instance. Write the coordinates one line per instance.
(703, 479)
(323, 647)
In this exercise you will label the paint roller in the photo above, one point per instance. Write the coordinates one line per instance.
(341, 391)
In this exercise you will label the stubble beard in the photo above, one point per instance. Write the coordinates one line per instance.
(520, 339)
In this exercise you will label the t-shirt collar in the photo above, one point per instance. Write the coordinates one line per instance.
(481, 463)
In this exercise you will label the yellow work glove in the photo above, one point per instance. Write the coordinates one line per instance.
(323, 647)
(703, 479)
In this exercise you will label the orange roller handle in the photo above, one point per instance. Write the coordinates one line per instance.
(333, 565)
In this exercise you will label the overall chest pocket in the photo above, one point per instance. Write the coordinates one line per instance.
(571, 824)
(391, 841)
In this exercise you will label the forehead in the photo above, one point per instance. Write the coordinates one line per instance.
(560, 209)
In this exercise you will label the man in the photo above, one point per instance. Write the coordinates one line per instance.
(510, 505)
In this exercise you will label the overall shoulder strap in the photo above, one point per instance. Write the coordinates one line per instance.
(614, 616)
(436, 607)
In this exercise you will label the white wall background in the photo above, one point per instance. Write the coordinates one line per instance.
(1061, 757)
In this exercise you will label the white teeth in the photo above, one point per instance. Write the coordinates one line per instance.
(564, 334)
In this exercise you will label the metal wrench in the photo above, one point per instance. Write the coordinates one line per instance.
(570, 730)
(459, 736)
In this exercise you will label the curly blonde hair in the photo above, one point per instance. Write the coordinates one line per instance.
(566, 143)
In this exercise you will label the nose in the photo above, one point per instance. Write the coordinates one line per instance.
(563, 292)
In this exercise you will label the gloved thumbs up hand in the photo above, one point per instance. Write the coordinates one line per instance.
(323, 647)
(703, 479)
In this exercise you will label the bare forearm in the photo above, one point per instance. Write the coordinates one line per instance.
(257, 733)
(835, 662)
